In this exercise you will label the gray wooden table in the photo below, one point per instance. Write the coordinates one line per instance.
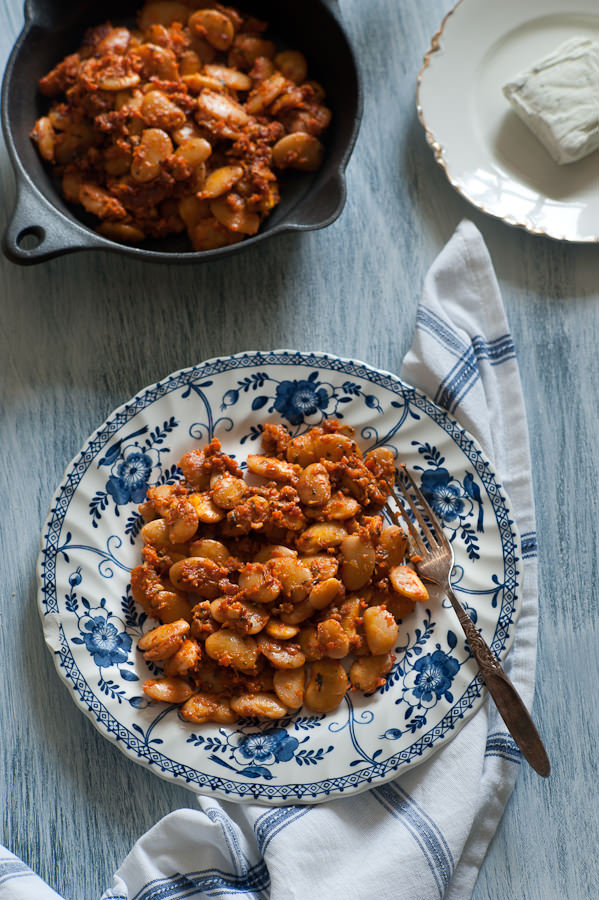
(82, 334)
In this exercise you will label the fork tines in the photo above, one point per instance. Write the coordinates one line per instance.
(407, 486)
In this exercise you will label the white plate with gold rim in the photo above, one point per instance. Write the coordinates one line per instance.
(487, 152)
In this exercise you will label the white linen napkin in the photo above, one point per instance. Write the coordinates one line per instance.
(422, 836)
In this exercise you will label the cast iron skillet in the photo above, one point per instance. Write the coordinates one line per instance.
(54, 29)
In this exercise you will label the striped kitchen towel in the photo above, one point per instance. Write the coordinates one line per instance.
(422, 836)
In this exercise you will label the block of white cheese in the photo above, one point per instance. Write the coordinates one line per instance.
(558, 98)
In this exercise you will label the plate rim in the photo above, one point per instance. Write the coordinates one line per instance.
(439, 150)
(472, 697)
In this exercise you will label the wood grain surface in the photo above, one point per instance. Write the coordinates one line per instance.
(83, 333)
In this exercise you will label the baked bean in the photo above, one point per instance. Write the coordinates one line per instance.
(407, 583)
(184, 660)
(183, 527)
(221, 181)
(272, 469)
(210, 234)
(399, 606)
(232, 78)
(292, 64)
(71, 185)
(193, 152)
(239, 615)
(289, 686)
(193, 210)
(266, 92)
(163, 641)
(121, 232)
(168, 690)
(214, 26)
(282, 654)
(99, 202)
(339, 508)
(160, 112)
(298, 151)
(214, 550)
(308, 641)
(197, 82)
(154, 148)
(380, 628)
(229, 649)
(300, 612)
(274, 551)
(228, 491)
(358, 561)
(45, 137)
(208, 512)
(367, 673)
(259, 706)
(116, 41)
(231, 211)
(314, 485)
(294, 577)
(204, 707)
(326, 687)
(325, 592)
(332, 639)
(189, 63)
(259, 583)
(187, 132)
(320, 537)
(308, 448)
(321, 566)
(163, 12)
(247, 49)
(198, 575)
(392, 546)
(157, 62)
(280, 631)
(351, 617)
(222, 107)
(156, 532)
(170, 606)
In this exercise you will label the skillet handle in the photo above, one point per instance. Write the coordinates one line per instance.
(36, 232)
(322, 207)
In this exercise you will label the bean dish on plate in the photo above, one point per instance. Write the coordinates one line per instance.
(181, 124)
(277, 590)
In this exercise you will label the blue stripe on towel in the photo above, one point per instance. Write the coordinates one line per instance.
(501, 744)
(268, 825)
(528, 542)
(231, 833)
(423, 829)
(427, 320)
(210, 882)
(13, 868)
(497, 351)
(457, 381)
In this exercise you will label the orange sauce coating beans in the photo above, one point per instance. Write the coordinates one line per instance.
(278, 591)
(180, 124)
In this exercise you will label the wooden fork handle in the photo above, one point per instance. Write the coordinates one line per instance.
(507, 699)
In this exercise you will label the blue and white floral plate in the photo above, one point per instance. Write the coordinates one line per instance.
(91, 540)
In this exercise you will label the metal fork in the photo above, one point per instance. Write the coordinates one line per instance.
(435, 565)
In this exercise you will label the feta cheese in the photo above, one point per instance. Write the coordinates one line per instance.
(558, 98)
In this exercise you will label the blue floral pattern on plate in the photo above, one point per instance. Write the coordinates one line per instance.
(92, 624)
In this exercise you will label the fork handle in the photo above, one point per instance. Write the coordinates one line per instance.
(506, 697)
